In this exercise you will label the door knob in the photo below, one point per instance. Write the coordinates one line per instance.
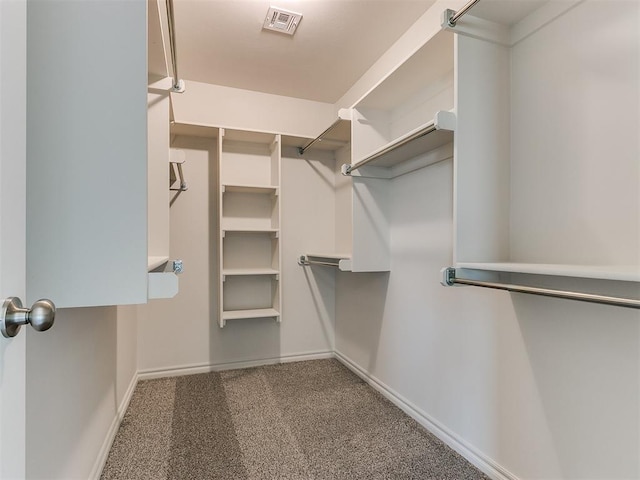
(12, 316)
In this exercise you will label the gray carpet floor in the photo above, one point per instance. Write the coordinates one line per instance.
(308, 420)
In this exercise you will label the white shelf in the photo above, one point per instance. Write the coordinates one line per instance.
(250, 271)
(553, 200)
(629, 273)
(250, 230)
(423, 139)
(338, 256)
(155, 262)
(256, 313)
(249, 211)
(339, 260)
(258, 189)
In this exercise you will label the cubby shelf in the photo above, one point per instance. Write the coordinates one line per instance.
(258, 189)
(249, 218)
(249, 271)
(255, 313)
(250, 230)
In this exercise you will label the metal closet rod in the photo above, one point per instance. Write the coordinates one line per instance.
(450, 279)
(456, 16)
(183, 183)
(347, 169)
(301, 150)
(178, 85)
(304, 261)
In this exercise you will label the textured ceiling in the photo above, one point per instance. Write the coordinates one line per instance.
(222, 42)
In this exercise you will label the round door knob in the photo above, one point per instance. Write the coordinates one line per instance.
(12, 316)
(42, 315)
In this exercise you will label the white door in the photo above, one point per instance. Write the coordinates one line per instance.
(12, 230)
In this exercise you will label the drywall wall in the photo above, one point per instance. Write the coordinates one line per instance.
(78, 375)
(545, 388)
(402, 49)
(183, 332)
(214, 105)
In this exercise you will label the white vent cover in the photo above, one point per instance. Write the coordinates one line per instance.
(281, 20)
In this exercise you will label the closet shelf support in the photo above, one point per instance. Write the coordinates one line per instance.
(449, 279)
(452, 17)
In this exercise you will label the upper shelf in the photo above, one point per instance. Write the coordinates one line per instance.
(338, 260)
(627, 273)
(419, 141)
(407, 114)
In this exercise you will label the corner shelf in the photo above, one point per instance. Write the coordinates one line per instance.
(416, 143)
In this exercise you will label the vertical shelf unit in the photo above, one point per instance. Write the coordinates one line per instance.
(408, 116)
(544, 175)
(249, 223)
(160, 284)
(404, 123)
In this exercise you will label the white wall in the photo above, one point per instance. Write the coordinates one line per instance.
(215, 105)
(183, 332)
(546, 388)
(77, 376)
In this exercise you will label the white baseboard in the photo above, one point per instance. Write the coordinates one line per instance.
(206, 368)
(96, 471)
(478, 459)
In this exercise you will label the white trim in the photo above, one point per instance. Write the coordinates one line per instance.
(473, 455)
(101, 459)
(214, 367)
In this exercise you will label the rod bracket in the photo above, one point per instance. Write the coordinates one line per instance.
(346, 170)
(448, 276)
(178, 87)
(302, 261)
(446, 18)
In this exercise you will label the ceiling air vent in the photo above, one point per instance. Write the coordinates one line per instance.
(281, 20)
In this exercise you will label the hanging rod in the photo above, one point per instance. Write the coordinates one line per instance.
(454, 17)
(178, 85)
(342, 262)
(304, 261)
(183, 184)
(342, 115)
(449, 279)
(432, 127)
